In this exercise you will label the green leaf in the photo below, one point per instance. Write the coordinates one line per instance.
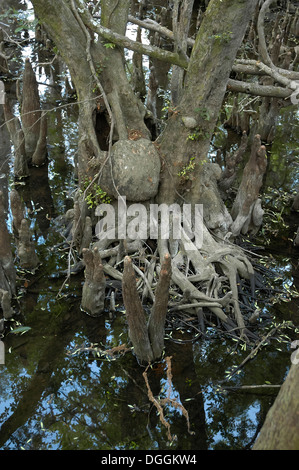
(21, 330)
(109, 45)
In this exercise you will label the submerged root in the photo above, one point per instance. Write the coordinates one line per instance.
(203, 280)
(207, 284)
(211, 278)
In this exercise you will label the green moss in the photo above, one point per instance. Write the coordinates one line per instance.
(94, 194)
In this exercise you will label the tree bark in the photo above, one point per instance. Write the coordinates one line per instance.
(135, 315)
(17, 210)
(219, 37)
(18, 139)
(281, 428)
(30, 112)
(26, 247)
(246, 210)
(156, 326)
(147, 337)
(5, 302)
(103, 90)
(93, 293)
(229, 174)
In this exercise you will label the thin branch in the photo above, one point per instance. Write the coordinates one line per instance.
(125, 42)
(263, 50)
(157, 405)
(252, 88)
(250, 387)
(253, 69)
(157, 28)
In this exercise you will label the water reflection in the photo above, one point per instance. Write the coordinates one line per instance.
(58, 394)
(53, 399)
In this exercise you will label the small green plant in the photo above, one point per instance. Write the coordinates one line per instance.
(198, 134)
(223, 37)
(95, 195)
(99, 68)
(185, 172)
(109, 45)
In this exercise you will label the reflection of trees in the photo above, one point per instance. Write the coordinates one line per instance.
(235, 416)
(51, 351)
(85, 402)
(88, 398)
(37, 197)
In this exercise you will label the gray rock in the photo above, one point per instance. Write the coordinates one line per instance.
(189, 122)
(136, 170)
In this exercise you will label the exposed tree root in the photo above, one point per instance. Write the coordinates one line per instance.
(211, 285)
(205, 283)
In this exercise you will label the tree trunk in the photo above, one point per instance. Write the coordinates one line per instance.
(281, 428)
(18, 139)
(93, 293)
(147, 336)
(108, 105)
(219, 37)
(31, 112)
(26, 247)
(70, 36)
(135, 315)
(246, 211)
(156, 326)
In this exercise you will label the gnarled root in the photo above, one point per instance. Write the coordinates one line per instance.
(173, 277)
(216, 268)
(93, 292)
(147, 339)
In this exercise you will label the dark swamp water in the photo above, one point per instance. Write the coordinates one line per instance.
(58, 393)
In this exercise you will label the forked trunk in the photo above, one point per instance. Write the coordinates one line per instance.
(184, 146)
(112, 130)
